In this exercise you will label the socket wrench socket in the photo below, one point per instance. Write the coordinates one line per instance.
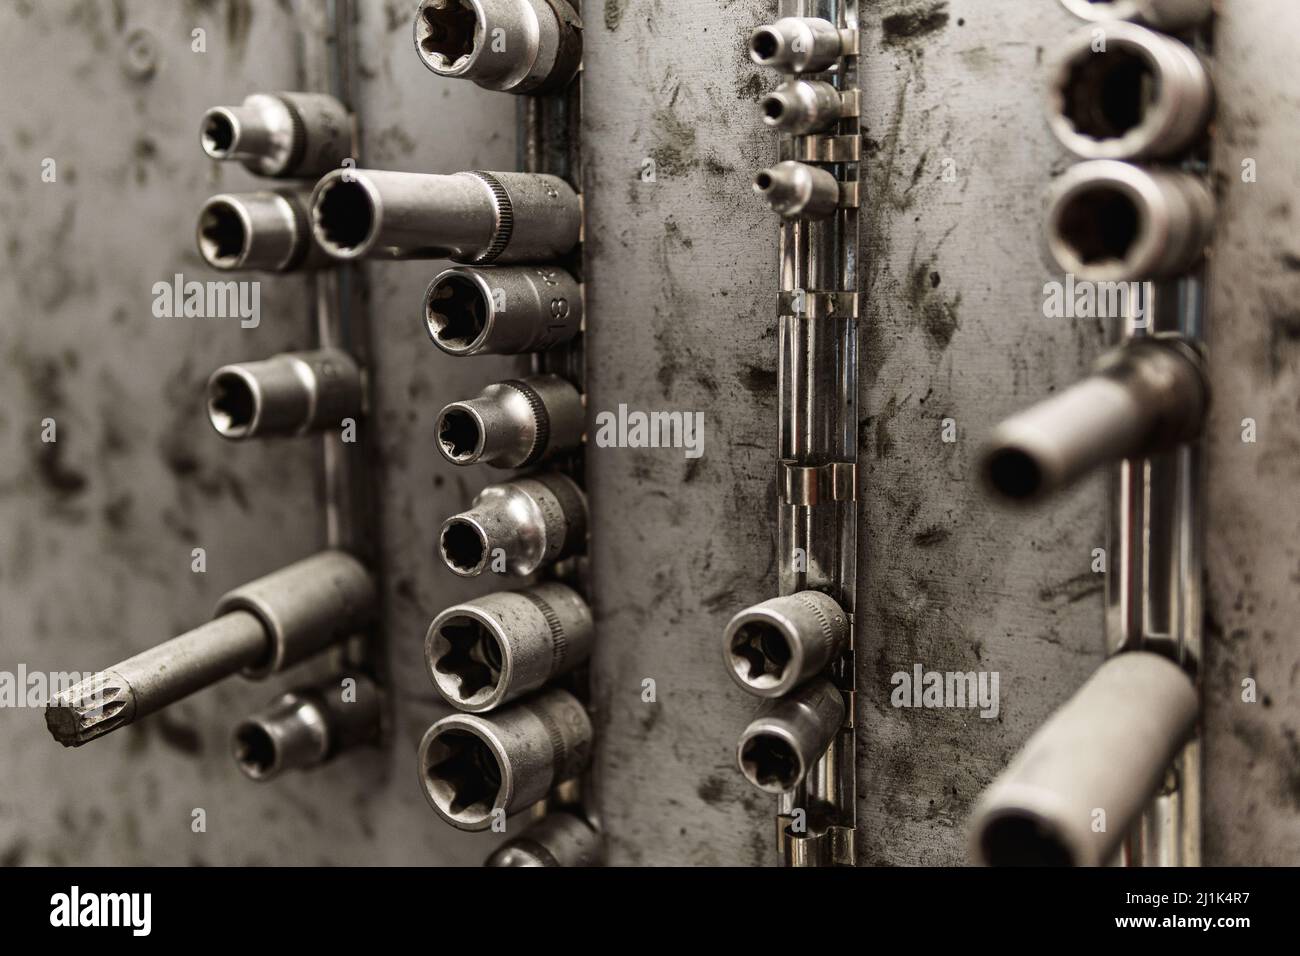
(797, 45)
(282, 135)
(513, 424)
(1108, 750)
(473, 767)
(557, 839)
(307, 726)
(267, 231)
(773, 647)
(1144, 96)
(1109, 221)
(517, 527)
(290, 394)
(1172, 16)
(496, 648)
(788, 736)
(507, 310)
(513, 46)
(1144, 397)
(473, 217)
(802, 107)
(798, 190)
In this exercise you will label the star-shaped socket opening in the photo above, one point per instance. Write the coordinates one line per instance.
(448, 29)
(770, 762)
(463, 776)
(760, 653)
(468, 653)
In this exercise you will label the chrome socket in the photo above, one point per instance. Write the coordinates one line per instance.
(474, 768)
(473, 217)
(283, 135)
(802, 106)
(1100, 759)
(502, 311)
(1144, 397)
(268, 231)
(513, 424)
(307, 727)
(1109, 221)
(1172, 16)
(773, 647)
(798, 190)
(517, 527)
(290, 394)
(788, 736)
(494, 649)
(1145, 96)
(557, 839)
(513, 46)
(797, 45)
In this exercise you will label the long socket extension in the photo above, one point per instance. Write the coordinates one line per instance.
(506, 310)
(258, 629)
(308, 726)
(517, 527)
(513, 46)
(1109, 221)
(557, 839)
(473, 217)
(1146, 396)
(283, 135)
(1144, 96)
(1172, 16)
(802, 106)
(797, 45)
(789, 735)
(513, 424)
(496, 648)
(1105, 752)
(798, 190)
(473, 768)
(266, 231)
(290, 394)
(773, 647)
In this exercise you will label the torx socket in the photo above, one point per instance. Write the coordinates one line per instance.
(1144, 397)
(1142, 96)
(290, 394)
(557, 839)
(308, 726)
(258, 629)
(798, 190)
(1100, 759)
(797, 45)
(1109, 221)
(517, 527)
(802, 106)
(1172, 16)
(267, 231)
(496, 648)
(505, 310)
(473, 217)
(473, 767)
(513, 46)
(513, 424)
(771, 648)
(789, 735)
(283, 135)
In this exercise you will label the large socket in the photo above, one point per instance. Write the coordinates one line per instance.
(497, 648)
(799, 190)
(789, 735)
(1144, 96)
(513, 46)
(797, 45)
(1144, 397)
(472, 217)
(308, 726)
(1109, 221)
(473, 767)
(282, 135)
(557, 839)
(1108, 750)
(506, 310)
(1170, 15)
(773, 647)
(513, 424)
(286, 395)
(517, 527)
(266, 231)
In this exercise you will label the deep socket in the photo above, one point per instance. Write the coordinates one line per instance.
(290, 394)
(1172, 16)
(505, 310)
(513, 424)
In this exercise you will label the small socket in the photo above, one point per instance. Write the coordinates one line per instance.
(789, 735)
(558, 839)
(798, 190)
(282, 135)
(265, 231)
(502, 311)
(287, 395)
(802, 107)
(797, 45)
(513, 424)
(773, 647)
